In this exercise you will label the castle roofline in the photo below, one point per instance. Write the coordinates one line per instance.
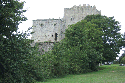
(84, 5)
(45, 19)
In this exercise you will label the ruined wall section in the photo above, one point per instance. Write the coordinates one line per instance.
(45, 47)
(47, 30)
(78, 13)
(62, 30)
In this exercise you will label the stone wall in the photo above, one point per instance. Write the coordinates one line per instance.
(45, 46)
(48, 30)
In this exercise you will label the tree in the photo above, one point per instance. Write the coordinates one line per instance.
(123, 60)
(16, 54)
(10, 17)
(85, 45)
(112, 40)
(120, 58)
(79, 51)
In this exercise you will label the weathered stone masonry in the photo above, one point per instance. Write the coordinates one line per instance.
(52, 30)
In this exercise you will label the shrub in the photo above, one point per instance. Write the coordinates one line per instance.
(115, 62)
(123, 60)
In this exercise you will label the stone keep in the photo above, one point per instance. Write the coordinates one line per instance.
(48, 31)
(52, 29)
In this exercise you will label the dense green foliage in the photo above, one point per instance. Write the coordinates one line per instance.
(122, 56)
(116, 62)
(79, 51)
(83, 39)
(122, 60)
(19, 62)
(112, 40)
(107, 74)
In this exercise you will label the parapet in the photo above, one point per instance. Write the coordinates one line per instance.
(84, 6)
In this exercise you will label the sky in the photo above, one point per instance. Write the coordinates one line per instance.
(45, 9)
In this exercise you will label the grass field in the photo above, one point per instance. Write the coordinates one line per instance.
(107, 74)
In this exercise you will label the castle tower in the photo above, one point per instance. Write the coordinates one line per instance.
(53, 29)
(78, 13)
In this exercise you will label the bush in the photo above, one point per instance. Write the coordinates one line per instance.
(123, 60)
(61, 63)
(120, 58)
(115, 62)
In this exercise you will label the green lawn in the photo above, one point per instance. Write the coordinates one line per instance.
(109, 74)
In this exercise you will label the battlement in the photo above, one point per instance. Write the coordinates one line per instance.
(46, 19)
(84, 6)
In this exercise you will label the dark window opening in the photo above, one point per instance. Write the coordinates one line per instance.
(56, 36)
(71, 19)
(55, 24)
(41, 25)
(61, 32)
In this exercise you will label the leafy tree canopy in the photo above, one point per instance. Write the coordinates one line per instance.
(112, 39)
(123, 60)
(84, 44)
(16, 54)
(122, 56)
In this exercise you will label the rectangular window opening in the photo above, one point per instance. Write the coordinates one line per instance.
(56, 36)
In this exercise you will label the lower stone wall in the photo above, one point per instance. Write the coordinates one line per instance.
(45, 46)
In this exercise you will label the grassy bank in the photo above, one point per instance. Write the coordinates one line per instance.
(107, 74)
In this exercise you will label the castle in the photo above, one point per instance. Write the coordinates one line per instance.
(52, 30)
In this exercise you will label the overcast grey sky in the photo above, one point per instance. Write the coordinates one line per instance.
(45, 9)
